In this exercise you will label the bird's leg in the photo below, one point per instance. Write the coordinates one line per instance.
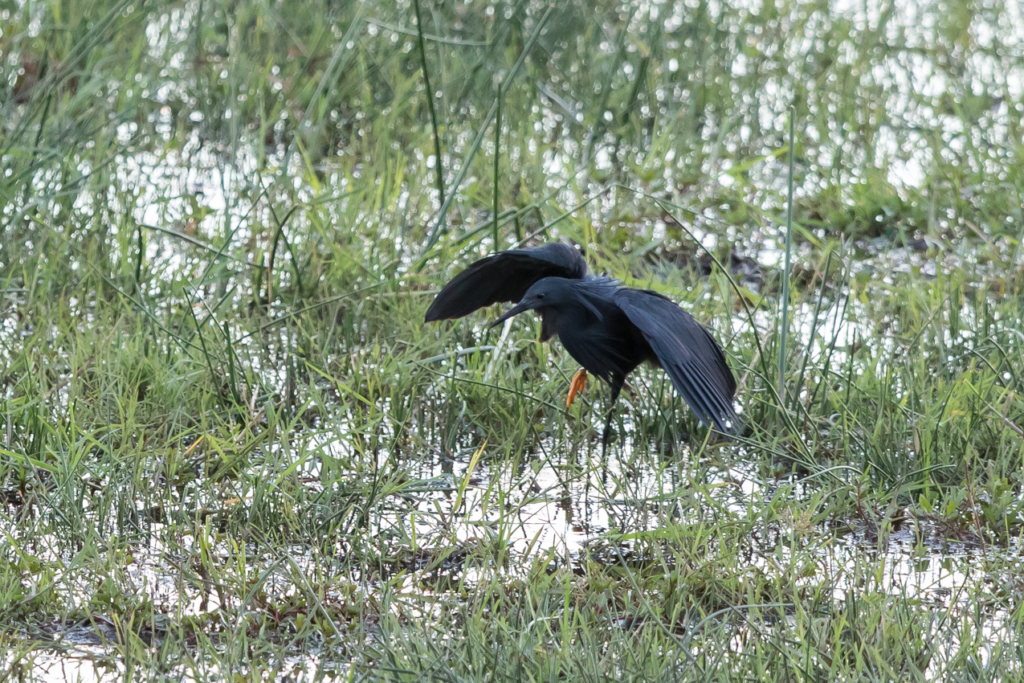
(616, 388)
(578, 384)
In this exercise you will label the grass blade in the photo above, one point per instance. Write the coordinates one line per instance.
(438, 168)
(786, 268)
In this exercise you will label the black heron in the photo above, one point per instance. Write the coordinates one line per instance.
(607, 328)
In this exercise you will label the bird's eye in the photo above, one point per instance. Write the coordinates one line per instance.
(541, 295)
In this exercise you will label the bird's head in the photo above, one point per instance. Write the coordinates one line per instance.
(554, 294)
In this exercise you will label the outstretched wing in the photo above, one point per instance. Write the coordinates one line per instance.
(505, 276)
(688, 353)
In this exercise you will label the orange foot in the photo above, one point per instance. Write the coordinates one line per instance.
(578, 384)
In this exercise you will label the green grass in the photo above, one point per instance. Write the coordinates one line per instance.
(231, 450)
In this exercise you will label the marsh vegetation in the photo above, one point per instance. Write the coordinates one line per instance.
(231, 449)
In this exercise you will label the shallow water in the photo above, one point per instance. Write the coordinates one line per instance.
(562, 512)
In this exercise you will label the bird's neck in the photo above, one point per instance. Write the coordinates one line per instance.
(548, 323)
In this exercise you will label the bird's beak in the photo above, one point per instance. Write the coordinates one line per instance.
(514, 311)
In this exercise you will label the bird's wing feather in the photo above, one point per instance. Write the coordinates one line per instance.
(505, 276)
(688, 353)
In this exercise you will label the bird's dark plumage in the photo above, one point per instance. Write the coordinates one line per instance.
(504, 277)
(609, 329)
(686, 351)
